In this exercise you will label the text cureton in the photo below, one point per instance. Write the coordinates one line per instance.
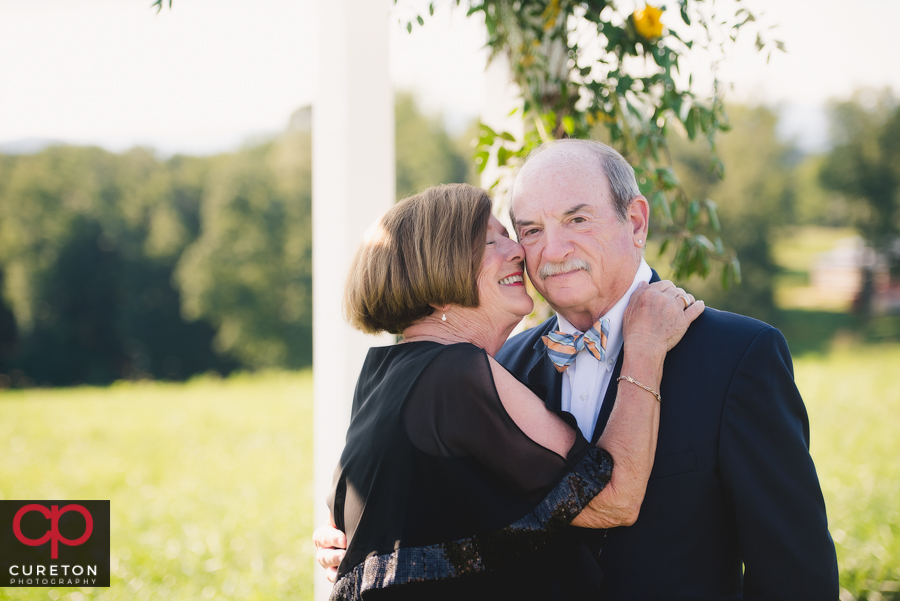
(52, 570)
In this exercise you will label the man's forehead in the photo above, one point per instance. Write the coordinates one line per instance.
(559, 188)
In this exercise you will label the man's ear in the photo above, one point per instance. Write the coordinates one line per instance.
(639, 218)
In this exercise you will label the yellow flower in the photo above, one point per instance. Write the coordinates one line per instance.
(647, 23)
(598, 117)
(606, 117)
(551, 14)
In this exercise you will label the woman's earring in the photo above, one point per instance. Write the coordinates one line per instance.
(443, 316)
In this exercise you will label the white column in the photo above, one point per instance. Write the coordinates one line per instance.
(353, 183)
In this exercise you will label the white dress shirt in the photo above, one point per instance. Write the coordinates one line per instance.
(585, 381)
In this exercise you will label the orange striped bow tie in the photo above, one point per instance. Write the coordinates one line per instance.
(562, 347)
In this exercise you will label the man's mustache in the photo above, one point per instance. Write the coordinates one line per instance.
(548, 269)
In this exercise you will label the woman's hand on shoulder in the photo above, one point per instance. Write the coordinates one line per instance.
(658, 315)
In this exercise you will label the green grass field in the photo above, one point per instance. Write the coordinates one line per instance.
(210, 480)
(853, 399)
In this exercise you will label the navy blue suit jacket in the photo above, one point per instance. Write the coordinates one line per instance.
(733, 485)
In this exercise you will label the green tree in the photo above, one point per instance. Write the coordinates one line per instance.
(249, 273)
(813, 203)
(8, 329)
(88, 240)
(426, 155)
(755, 200)
(49, 234)
(864, 166)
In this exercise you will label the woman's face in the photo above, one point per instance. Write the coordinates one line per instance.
(501, 288)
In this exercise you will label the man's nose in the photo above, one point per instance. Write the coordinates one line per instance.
(557, 245)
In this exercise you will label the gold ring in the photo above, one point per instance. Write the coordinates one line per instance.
(684, 298)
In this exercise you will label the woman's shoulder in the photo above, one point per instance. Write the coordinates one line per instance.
(462, 351)
(450, 364)
(429, 353)
(426, 348)
(459, 362)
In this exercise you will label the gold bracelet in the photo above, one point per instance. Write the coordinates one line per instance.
(636, 383)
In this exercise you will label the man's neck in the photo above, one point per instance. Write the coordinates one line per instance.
(583, 320)
(584, 317)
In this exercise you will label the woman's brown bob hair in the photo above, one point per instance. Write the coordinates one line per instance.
(426, 250)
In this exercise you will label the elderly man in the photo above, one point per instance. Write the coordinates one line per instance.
(733, 509)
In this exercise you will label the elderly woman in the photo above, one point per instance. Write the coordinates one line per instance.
(456, 481)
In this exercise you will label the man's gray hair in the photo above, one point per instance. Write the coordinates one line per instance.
(618, 172)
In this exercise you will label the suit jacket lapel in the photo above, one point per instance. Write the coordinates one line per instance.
(543, 373)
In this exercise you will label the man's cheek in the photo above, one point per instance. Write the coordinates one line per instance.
(535, 280)
(531, 266)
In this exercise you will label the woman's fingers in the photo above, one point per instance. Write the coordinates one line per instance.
(661, 314)
(685, 298)
(330, 558)
(694, 311)
(329, 537)
(331, 546)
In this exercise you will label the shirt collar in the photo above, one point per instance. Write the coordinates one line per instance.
(615, 315)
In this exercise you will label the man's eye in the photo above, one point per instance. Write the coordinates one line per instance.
(529, 232)
(578, 219)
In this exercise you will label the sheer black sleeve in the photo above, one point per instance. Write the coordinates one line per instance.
(454, 410)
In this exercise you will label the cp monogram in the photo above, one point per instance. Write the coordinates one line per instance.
(53, 534)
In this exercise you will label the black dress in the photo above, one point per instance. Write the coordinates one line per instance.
(440, 493)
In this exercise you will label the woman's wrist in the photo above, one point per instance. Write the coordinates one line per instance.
(645, 366)
(655, 393)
